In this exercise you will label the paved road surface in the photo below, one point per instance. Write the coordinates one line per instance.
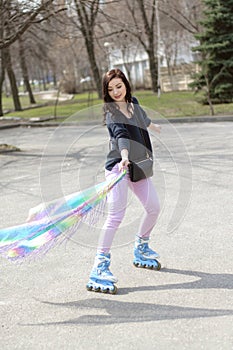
(187, 305)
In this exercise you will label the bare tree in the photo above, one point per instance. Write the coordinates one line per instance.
(137, 18)
(7, 61)
(142, 21)
(145, 32)
(21, 16)
(55, 44)
(185, 13)
(87, 12)
(2, 78)
(175, 44)
(2, 58)
(24, 68)
(12, 78)
(16, 18)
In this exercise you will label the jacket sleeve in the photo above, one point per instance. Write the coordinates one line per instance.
(145, 117)
(119, 132)
(147, 120)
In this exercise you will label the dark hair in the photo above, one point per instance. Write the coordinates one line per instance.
(109, 103)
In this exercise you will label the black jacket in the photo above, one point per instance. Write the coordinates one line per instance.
(129, 133)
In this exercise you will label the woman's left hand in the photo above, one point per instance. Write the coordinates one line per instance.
(123, 164)
(155, 127)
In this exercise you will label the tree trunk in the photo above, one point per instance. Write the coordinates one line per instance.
(87, 14)
(54, 79)
(128, 71)
(149, 44)
(153, 70)
(25, 71)
(125, 52)
(44, 82)
(2, 71)
(12, 79)
(208, 95)
(2, 77)
(94, 67)
(171, 75)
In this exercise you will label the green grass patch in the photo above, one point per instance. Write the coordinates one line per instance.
(8, 102)
(48, 108)
(179, 104)
(168, 105)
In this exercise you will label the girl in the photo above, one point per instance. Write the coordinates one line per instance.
(123, 115)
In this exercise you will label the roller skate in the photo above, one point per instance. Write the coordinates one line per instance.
(145, 257)
(101, 279)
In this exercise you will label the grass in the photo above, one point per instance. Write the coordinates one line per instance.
(179, 104)
(64, 109)
(169, 105)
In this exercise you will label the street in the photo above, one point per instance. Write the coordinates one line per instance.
(44, 303)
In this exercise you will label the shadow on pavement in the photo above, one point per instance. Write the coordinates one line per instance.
(126, 312)
(205, 281)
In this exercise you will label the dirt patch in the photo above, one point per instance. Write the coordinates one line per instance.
(8, 148)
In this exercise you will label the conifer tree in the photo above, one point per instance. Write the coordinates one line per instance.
(216, 52)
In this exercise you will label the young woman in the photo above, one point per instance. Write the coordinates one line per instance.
(128, 141)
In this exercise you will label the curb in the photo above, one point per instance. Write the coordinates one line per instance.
(7, 126)
(202, 119)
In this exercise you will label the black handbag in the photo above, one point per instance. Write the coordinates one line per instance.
(141, 169)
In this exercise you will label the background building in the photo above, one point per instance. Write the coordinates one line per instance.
(175, 71)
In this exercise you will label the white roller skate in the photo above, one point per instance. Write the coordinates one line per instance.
(144, 256)
(101, 279)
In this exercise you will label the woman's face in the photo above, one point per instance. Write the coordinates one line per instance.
(117, 90)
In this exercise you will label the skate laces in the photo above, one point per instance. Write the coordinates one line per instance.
(142, 244)
(102, 264)
(143, 247)
(101, 270)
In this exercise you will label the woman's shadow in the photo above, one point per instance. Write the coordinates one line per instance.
(205, 281)
(127, 312)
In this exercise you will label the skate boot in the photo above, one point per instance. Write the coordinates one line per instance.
(144, 256)
(101, 279)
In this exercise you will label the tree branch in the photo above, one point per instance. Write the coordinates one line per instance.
(26, 24)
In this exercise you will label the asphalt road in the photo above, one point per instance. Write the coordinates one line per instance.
(187, 305)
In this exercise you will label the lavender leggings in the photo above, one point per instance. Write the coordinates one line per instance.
(117, 203)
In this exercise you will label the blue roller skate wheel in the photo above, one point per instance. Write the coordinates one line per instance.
(101, 286)
(147, 264)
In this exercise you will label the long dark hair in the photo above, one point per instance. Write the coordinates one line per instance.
(109, 103)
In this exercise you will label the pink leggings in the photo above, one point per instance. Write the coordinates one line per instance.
(117, 203)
